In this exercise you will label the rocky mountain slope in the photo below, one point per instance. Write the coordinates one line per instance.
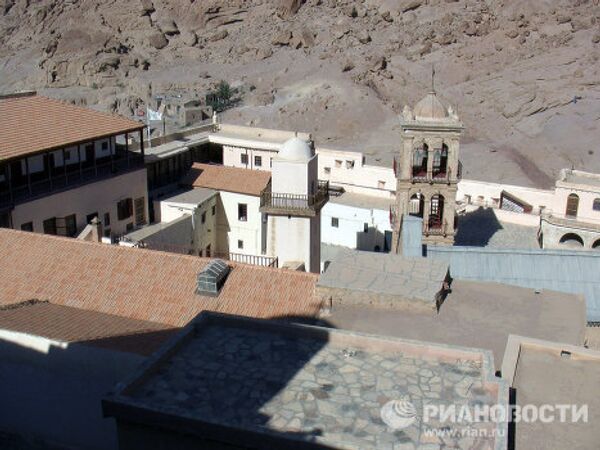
(523, 75)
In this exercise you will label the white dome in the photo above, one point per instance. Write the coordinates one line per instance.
(430, 108)
(295, 149)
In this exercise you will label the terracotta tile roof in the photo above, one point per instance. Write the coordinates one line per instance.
(68, 324)
(231, 179)
(142, 284)
(31, 124)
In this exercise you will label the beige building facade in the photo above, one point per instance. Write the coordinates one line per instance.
(119, 202)
(61, 166)
(574, 217)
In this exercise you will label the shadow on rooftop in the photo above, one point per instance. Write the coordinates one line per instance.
(476, 228)
(243, 381)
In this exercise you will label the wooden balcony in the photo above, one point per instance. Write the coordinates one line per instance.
(437, 176)
(435, 227)
(53, 180)
(294, 204)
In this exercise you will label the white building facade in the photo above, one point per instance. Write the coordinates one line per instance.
(357, 221)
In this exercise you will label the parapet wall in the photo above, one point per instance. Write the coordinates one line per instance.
(261, 133)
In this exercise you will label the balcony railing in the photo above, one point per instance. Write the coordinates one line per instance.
(294, 204)
(61, 180)
(254, 260)
(435, 227)
(438, 175)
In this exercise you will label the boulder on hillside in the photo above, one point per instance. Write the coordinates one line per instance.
(288, 8)
(147, 7)
(169, 27)
(189, 38)
(219, 35)
(158, 40)
(410, 5)
(283, 37)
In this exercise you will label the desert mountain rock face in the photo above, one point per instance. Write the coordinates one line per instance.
(524, 76)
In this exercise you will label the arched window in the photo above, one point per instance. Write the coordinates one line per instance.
(596, 245)
(572, 205)
(440, 161)
(436, 211)
(596, 205)
(420, 156)
(415, 207)
(571, 240)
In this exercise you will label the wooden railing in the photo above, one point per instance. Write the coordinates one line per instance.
(294, 203)
(435, 227)
(58, 180)
(438, 175)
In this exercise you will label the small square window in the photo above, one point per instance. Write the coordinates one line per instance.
(327, 170)
(240, 244)
(381, 184)
(258, 161)
(27, 226)
(242, 212)
(335, 222)
(244, 159)
(203, 217)
(105, 146)
(338, 163)
(350, 164)
(214, 210)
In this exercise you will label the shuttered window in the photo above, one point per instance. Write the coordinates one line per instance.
(140, 211)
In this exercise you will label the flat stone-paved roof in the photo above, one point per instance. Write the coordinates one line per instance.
(312, 384)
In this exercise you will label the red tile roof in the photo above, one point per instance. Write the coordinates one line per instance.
(142, 284)
(67, 324)
(230, 179)
(31, 124)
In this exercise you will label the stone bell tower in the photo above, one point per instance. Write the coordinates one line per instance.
(428, 170)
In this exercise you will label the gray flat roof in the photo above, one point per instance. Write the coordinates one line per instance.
(150, 230)
(269, 383)
(591, 179)
(477, 314)
(362, 201)
(194, 196)
(174, 146)
(559, 270)
(329, 252)
(543, 376)
(388, 274)
(481, 228)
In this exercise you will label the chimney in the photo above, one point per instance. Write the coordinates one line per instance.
(96, 234)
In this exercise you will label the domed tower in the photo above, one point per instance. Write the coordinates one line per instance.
(292, 204)
(428, 170)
